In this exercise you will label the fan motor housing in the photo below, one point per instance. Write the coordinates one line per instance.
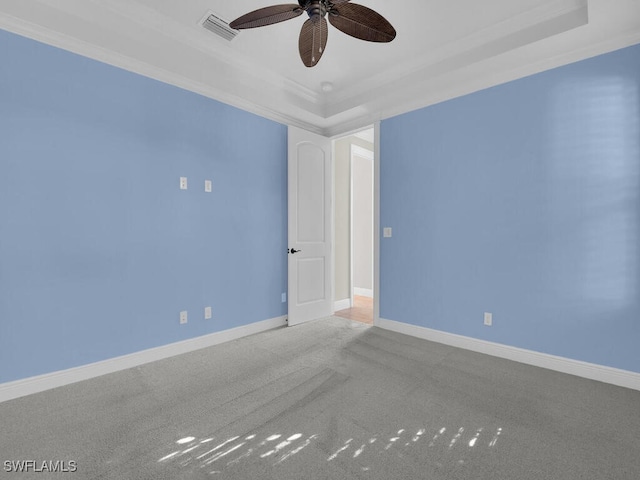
(316, 9)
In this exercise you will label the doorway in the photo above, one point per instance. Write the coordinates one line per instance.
(354, 226)
(310, 232)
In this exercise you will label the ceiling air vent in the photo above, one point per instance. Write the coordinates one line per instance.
(220, 27)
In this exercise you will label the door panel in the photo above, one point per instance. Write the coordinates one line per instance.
(311, 270)
(309, 226)
(311, 172)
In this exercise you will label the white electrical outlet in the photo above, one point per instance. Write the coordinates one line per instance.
(284, 297)
(207, 313)
(488, 319)
(183, 317)
(207, 186)
(183, 183)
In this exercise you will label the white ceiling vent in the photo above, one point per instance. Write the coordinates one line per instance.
(220, 27)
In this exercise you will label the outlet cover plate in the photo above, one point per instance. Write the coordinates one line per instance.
(488, 319)
(207, 313)
(183, 317)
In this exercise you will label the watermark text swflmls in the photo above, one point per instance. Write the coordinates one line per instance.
(48, 466)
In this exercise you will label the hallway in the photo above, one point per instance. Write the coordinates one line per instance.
(362, 310)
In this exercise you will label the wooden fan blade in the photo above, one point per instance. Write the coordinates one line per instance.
(361, 22)
(267, 16)
(337, 2)
(313, 40)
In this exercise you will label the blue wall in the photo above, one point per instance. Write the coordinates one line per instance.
(522, 200)
(99, 249)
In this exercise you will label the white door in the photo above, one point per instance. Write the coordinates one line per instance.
(310, 234)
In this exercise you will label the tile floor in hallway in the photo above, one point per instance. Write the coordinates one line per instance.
(361, 311)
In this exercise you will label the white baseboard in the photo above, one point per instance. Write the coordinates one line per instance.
(614, 376)
(363, 292)
(27, 386)
(341, 304)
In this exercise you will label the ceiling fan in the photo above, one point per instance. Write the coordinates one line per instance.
(355, 20)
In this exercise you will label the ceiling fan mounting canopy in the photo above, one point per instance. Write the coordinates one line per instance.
(354, 20)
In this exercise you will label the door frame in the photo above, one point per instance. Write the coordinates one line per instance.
(376, 220)
(376, 223)
(357, 150)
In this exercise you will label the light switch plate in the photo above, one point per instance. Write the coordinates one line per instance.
(387, 232)
(488, 319)
(207, 313)
(208, 186)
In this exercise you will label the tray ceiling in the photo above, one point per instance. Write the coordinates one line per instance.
(443, 49)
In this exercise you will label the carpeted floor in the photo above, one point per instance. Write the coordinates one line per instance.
(331, 399)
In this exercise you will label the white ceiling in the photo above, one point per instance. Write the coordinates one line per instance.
(444, 48)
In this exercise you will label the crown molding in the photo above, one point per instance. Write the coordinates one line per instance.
(417, 94)
(206, 43)
(204, 64)
(542, 22)
(244, 96)
(420, 95)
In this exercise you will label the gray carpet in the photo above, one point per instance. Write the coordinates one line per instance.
(330, 399)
